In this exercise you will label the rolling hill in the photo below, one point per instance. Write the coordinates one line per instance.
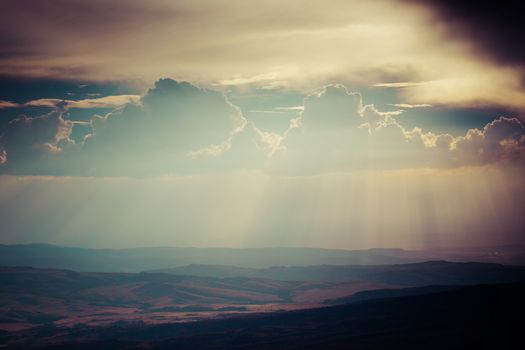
(425, 273)
(32, 297)
(477, 317)
(141, 259)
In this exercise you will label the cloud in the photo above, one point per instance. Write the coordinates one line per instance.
(502, 140)
(492, 26)
(35, 142)
(3, 156)
(238, 80)
(332, 107)
(401, 84)
(177, 127)
(8, 104)
(292, 108)
(45, 133)
(178, 115)
(411, 106)
(175, 123)
(89, 103)
(336, 132)
(279, 110)
(101, 102)
(358, 42)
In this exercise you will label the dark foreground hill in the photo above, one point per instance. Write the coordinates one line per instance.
(478, 317)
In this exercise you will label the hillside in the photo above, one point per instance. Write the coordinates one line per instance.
(141, 259)
(425, 273)
(67, 298)
(478, 317)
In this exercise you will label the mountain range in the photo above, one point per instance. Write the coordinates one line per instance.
(142, 259)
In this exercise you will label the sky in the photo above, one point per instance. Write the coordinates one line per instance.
(334, 124)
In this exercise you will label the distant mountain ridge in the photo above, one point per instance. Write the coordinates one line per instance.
(141, 259)
(424, 273)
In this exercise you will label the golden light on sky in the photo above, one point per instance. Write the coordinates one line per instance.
(346, 124)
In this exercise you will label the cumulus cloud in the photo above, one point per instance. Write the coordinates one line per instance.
(30, 141)
(499, 141)
(336, 132)
(174, 122)
(177, 127)
(332, 107)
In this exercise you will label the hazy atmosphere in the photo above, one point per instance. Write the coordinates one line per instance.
(264, 175)
(228, 124)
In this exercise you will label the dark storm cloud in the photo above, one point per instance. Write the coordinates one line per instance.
(495, 26)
